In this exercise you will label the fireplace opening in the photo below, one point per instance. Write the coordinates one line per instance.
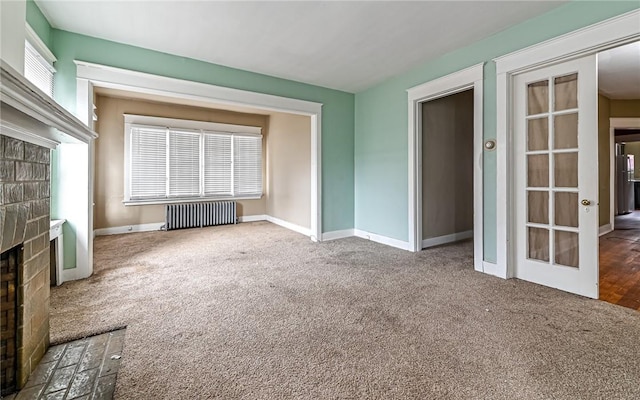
(11, 261)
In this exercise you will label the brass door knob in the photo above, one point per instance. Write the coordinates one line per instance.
(586, 202)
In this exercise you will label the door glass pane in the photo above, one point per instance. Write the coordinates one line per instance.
(538, 134)
(565, 131)
(566, 92)
(566, 209)
(538, 97)
(538, 205)
(566, 248)
(538, 244)
(566, 170)
(538, 170)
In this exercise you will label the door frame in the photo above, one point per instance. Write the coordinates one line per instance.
(607, 34)
(468, 78)
(91, 75)
(615, 123)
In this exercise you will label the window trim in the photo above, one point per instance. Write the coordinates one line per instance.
(34, 40)
(131, 120)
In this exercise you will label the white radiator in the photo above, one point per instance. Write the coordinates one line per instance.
(194, 215)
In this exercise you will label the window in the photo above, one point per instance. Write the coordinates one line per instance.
(38, 62)
(173, 160)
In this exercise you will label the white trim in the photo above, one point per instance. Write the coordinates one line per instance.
(55, 232)
(490, 269)
(616, 123)
(181, 200)
(252, 218)
(117, 78)
(32, 37)
(117, 230)
(604, 229)
(25, 97)
(454, 237)
(335, 235)
(400, 244)
(468, 78)
(27, 135)
(190, 124)
(289, 225)
(586, 41)
(73, 274)
(609, 33)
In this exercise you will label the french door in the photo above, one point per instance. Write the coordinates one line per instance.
(556, 182)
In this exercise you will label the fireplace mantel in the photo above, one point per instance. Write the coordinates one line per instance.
(30, 115)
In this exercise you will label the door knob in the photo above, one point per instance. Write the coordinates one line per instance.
(586, 202)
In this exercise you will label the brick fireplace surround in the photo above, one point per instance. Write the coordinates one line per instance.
(24, 222)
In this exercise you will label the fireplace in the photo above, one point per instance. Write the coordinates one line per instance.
(31, 124)
(24, 241)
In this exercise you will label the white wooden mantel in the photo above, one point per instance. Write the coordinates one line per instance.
(28, 114)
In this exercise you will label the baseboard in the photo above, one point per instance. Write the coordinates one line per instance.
(490, 268)
(399, 244)
(454, 237)
(252, 218)
(72, 274)
(116, 230)
(334, 235)
(289, 225)
(604, 229)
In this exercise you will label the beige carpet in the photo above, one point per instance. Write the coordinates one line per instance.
(254, 311)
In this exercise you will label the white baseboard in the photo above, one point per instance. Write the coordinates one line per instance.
(116, 230)
(604, 229)
(289, 225)
(72, 274)
(252, 218)
(334, 235)
(400, 244)
(490, 268)
(454, 237)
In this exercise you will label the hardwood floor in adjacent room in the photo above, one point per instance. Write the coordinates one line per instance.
(620, 262)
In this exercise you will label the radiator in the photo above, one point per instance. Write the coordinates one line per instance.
(194, 215)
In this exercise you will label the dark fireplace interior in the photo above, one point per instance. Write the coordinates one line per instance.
(11, 261)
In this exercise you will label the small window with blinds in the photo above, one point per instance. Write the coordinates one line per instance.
(166, 164)
(37, 69)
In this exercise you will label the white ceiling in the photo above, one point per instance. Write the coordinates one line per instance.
(619, 72)
(343, 45)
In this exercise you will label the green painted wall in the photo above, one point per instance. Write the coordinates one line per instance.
(38, 22)
(337, 110)
(381, 143)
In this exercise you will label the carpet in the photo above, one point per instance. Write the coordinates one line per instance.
(254, 311)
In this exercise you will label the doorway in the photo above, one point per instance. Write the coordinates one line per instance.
(470, 82)
(447, 169)
(619, 174)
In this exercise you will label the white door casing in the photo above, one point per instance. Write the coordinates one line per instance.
(468, 78)
(556, 186)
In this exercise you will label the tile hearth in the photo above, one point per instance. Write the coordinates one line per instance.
(84, 369)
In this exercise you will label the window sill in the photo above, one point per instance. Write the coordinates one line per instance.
(185, 200)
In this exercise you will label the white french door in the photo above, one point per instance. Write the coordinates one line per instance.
(556, 182)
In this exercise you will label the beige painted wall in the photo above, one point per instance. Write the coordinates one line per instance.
(109, 175)
(289, 168)
(624, 108)
(603, 160)
(447, 165)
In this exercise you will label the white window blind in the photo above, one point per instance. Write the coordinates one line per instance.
(169, 164)
(37, 69)
(148, 162)
(184, 163)
(217, 165)
(247, 165)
